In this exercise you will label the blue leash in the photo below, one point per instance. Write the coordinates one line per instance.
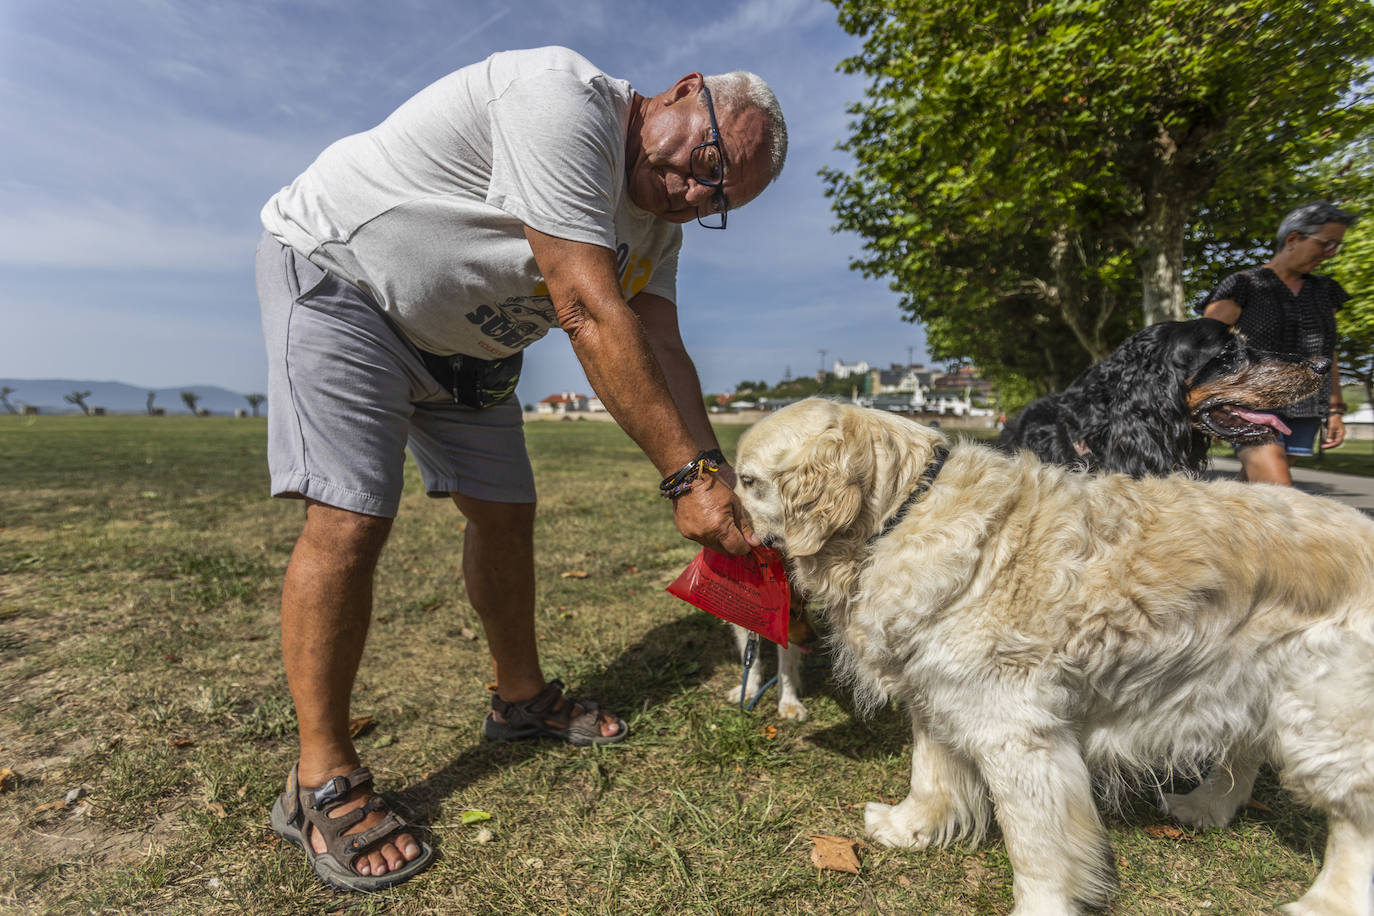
(751, 651)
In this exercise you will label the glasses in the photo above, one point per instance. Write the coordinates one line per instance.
(1330, 246)
(708, 168)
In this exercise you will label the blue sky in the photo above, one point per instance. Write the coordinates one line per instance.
(142, 138)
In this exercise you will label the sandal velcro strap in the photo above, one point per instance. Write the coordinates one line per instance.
(339, 787)
(540, 706)
(392, 823)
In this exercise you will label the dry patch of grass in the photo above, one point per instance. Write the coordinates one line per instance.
(146, 717)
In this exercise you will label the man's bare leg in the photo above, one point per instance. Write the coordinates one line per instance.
(326, 607)
(498, 569)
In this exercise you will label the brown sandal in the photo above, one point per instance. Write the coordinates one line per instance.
(301, 805)
(537, 717)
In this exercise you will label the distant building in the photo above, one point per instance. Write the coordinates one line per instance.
(844, 370)
(964, 379)
(566, 402)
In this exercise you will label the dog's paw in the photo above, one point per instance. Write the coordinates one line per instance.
(1198, 808)
(791, 709)
(1302, 908)
(889, 829)
(733, 694)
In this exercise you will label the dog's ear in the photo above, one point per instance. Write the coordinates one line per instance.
(823, 492)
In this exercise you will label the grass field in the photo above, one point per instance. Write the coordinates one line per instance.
(145, 720)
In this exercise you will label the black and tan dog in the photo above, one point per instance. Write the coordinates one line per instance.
(1154, 404)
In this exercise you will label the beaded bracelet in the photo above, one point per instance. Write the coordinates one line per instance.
(679, 482)
(1337, 407)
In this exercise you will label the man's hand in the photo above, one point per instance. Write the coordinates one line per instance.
(711, 515)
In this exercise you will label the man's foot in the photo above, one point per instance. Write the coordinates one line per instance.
(551, 714)
(352, 839)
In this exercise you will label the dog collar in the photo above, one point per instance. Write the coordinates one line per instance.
(927, 478)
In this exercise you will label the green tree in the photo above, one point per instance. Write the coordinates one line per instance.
(190, 399)
(79, 399)
(1353, 268)
(1033, 178)
(254, 400)
(5, 392)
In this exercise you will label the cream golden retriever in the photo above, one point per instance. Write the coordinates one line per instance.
(1044, 626)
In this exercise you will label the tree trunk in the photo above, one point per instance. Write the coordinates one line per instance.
(1161, 264)
(1160, 235)
(1064, 293)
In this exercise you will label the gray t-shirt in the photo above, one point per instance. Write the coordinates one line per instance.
(426, 211)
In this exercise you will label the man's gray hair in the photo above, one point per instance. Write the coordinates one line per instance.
(741, 90)
(1309, 219)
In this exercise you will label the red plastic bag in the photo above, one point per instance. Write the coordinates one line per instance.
(750, 590)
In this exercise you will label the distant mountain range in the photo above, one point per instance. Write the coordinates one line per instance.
(116, 397)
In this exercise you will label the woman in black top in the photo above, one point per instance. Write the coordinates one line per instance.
(1284, 307)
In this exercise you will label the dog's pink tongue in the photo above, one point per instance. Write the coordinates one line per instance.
(1263, 419)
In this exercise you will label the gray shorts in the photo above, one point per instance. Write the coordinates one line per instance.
(346, 396)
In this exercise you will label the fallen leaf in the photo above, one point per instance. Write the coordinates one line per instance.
(1259, 806)
(468, 633)
(632, 569)
(50, 806)
(484, 836)
(243, 790)
(359, 725)
(7, 779)
(217, 809)
(384, 741)
(575, 574)
(475, 816)
(770, 731)
(834, 853)
(179, 742)
(1165, 830)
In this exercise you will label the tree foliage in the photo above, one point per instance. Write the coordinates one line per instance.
(1354, 269)
(190, 399)
(1033, 178)
(79, 399)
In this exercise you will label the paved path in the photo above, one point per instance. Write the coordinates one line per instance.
(1350, 489)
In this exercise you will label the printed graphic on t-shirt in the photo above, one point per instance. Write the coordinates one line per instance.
(515, 323)
(521, 320)
(635, 271)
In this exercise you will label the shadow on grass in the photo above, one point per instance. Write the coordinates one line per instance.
(669, 661)
(885, 733)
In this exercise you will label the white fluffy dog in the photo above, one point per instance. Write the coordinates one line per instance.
(1042, 625)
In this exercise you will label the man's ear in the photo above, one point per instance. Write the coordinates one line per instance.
(686, 87)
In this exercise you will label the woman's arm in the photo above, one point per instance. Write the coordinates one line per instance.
(1224, 310)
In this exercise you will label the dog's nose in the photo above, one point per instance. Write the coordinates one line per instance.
(1318, 364)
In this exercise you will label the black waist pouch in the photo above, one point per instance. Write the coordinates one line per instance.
(475, 382)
